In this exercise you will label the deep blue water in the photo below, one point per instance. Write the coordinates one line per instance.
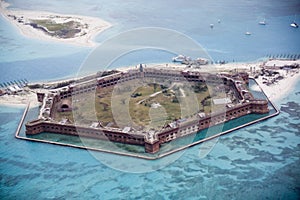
(257, 162)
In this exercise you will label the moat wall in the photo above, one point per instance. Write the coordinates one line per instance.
(166, 135)
(192, 125)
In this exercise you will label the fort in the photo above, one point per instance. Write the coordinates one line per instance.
(58, 106)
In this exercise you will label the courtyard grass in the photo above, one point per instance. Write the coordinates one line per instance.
(140, 106)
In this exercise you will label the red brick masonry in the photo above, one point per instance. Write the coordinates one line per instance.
(151, 141)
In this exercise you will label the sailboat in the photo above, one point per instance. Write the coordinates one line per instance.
(248, 32)
(294, 24)
(263, 22)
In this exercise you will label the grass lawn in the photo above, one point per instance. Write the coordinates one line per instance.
(140, 106)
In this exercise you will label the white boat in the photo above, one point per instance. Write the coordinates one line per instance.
(201, 61)
(211, 25)
(263, 22)
(294, 25)
(180, 58)
(248, 33)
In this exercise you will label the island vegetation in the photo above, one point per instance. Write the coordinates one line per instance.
(67, 29)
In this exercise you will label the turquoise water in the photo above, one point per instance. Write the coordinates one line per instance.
(257, 162)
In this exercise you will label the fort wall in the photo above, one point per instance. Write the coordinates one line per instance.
(179, 129)
(40, 126)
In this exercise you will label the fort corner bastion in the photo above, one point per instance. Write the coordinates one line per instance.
(240, 102)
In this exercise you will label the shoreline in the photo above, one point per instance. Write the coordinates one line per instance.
(19, 100)
(87, 34)
(279, 91)
(275, 91)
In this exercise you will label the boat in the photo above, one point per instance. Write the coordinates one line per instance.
(248, 33)
(180, 58)
(201, 61)
(294, 25)
(211, 25)
(263, 22)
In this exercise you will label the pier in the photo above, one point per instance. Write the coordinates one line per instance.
(12, 87)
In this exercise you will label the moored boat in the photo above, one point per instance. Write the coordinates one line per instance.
(180, 58)
(263, 22)
(294, 25)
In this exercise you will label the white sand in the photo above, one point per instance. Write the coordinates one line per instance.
(20, 99)
(278, 91)
(95, 25)
(274, 92)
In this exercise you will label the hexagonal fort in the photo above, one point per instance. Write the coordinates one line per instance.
(162, 104)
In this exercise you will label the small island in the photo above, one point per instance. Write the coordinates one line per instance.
(71, 29)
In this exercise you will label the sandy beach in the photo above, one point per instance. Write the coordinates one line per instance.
(90, 26)
(278, 91)
(20, 99)
(275, 91)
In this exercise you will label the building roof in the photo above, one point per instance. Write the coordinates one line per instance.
(221, 101)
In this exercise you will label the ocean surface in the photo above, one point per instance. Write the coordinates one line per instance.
(257, 162)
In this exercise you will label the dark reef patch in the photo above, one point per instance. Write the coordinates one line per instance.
(292, 108)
